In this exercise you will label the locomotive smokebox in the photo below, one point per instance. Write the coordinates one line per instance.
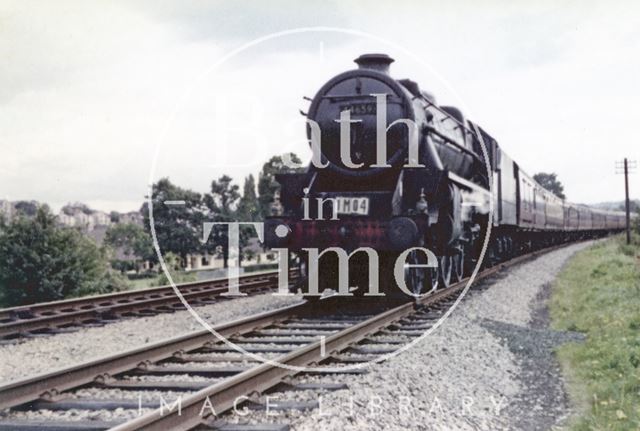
(379, 62)
(353, 91)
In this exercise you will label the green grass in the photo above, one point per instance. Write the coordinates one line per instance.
(598, 294)
(143, 283)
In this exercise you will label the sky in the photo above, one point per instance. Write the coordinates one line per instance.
(100, 98)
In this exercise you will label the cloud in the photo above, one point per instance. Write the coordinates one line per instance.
(229, 20)
(87, 133)
(91, 86)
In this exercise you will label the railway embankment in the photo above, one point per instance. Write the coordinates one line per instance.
(598, 295)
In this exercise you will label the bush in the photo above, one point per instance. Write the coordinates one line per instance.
(142, 275)
(40, 261)
(110, 281)
(134, 243)
(123, 265)
(174, 265)
(629, 249)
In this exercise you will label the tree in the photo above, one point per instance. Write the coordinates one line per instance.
(223, 198)
(248, 206)
(76, 207)
(551, 183)
(267, 184)
(221, 203)
(173, 265)
(178, 215)
(248, 211)
(40, 261)
(634, 206)
(134, 242)
(27, 208)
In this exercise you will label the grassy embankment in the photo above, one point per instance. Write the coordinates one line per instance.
(598, 294)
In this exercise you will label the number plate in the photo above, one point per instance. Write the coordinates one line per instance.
(357, 206)
(360, 108)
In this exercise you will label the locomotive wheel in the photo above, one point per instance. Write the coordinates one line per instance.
(303, 278)
(457, 267)
(420, 280)
(445, 264)
(415, 278)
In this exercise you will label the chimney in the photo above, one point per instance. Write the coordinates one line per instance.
(378, 62)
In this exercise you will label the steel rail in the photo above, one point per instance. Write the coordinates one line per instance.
(49, 315)
(49, 385)
(114, 296)
(223, 396)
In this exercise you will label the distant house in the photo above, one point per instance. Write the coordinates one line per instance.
(100, 218)
(66, 220)
(98, 234)
(6, 209)
(11, 209)
(76, 214)
(76, 219)
(132, 217)
(256, 256)
(81, 216)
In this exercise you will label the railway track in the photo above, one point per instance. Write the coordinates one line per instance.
(212, 378)
(72, 314)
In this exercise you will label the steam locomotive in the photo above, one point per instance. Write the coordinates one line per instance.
(431, 184)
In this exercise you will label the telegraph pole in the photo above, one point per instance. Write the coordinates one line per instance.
(626, 165)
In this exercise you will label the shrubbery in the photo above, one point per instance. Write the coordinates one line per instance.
(133, 241)
(174, 265)
(630, 249)
(40, 261)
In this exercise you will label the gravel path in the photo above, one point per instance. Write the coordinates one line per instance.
(39, 355)
(488, 367)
